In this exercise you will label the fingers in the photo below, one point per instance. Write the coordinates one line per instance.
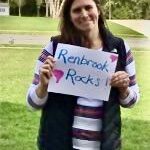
(48, 64)
(46, 69)
(120, 79)
(50, 58)
(50, 61)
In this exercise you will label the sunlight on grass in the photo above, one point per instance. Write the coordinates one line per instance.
(43, 25)
(122, 30)
(28, 23)
(18, 126)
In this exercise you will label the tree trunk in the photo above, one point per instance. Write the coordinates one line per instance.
(60, 8)
(51, 7)
(54, 7)
(47, 7)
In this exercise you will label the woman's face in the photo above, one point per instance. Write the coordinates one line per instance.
(84, 15)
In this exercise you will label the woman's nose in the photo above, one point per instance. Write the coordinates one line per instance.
(84, 13)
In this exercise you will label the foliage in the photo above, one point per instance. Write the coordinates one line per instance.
(14, 9)
(128, 9)
(42, 9)
(29, 8)
(120, 9)
(3, 1)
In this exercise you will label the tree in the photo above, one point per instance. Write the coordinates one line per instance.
(53, 7)
(127, 9)
(47, 7)
(38, 3)
(19, 7)
(3, 1)
(29, 8)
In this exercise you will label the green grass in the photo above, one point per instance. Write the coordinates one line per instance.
(28, 23)
(123, 31)
(42, 25)
(18, 126)
(136, 121)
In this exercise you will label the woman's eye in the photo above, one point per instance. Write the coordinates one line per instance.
(77, 10)
(88, 7)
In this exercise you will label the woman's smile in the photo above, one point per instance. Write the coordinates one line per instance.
(84, 15)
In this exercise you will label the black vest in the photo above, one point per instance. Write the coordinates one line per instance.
(55, 131)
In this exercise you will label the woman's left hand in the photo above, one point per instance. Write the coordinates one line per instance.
(120, 79)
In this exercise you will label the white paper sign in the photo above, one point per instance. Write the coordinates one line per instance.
(82, 72)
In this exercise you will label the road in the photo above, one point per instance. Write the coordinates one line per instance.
(43, 39)
(23, 39)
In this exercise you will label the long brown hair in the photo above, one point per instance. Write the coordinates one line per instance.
(69, 33)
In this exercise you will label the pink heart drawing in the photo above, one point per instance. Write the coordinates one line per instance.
(58, 74)
(113, 58)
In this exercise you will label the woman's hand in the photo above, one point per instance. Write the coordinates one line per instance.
(45, 74)
(120, 79)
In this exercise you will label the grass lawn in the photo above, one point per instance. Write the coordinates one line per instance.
(136, 121)
(18, 126)
(28, 23)
(43, 25)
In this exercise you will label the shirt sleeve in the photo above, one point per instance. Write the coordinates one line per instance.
(33, 101)
(133, 88)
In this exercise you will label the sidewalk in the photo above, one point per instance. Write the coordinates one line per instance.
(24, 39)
(44, 39)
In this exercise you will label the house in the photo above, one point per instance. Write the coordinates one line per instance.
(4, 9)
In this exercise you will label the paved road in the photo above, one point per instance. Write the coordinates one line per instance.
(43, 39)
(23, 39)
(138, 42)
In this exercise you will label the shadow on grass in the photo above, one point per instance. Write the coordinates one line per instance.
(18, 127)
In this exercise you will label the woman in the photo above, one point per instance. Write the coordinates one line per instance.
(70, 122)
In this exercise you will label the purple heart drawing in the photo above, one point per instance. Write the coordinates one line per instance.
(113, 58)
(58, 74)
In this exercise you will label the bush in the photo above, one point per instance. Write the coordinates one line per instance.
(3, 1)
(14, 9)
(42, 10)
(29, 8)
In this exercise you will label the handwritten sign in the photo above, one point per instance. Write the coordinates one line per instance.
(82, 72)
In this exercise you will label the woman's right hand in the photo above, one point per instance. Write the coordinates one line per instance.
(45, 74)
